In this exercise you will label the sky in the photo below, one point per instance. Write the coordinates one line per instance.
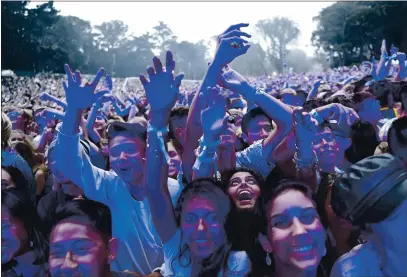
(193, 21)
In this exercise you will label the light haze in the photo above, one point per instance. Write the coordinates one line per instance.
(193, 21)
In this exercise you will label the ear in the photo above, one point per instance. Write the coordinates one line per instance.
(113, 248)
(265, 243)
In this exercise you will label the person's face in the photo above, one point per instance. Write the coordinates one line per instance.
(17, 120)
(6, 180)
(325, 147)
(14, 237)
(16, 138)
(244, 190)
(175, 163)
(370, 110)
(179, 127)
(127, 157)
(258, 128)
(295, 232)
(76, 249)
(202, 226)
(100, 122)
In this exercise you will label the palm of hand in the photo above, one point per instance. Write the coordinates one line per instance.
(161, 91)
(78, 96)
(213, 116)
(305, 125)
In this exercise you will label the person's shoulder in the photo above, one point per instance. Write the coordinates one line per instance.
(353, 263)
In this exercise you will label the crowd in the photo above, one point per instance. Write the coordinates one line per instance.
(274, 176)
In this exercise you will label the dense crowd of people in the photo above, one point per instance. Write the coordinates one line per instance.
(272, 176)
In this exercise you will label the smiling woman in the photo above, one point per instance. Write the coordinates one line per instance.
(295, 234)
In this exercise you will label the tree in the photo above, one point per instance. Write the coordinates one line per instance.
(190, 57)
(253, 63)
(299, 61)
(354, 30)
(163, 37)
(277, 33)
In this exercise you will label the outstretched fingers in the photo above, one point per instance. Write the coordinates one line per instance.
(98, 76)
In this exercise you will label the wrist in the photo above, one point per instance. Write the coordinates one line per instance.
(159, 120)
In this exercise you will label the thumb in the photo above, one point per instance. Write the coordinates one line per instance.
(224, 81)
(178, 79)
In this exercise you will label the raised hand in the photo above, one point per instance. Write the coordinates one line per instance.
(383, 48)
(213, 113)
(305, 126)
(340, 117)
(80, 97)
(232, 80)
(162, 88)
(230, 45)
(104, 99)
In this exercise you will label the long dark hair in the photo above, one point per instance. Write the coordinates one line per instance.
(249, 223)
(17, 201)
(209, 189)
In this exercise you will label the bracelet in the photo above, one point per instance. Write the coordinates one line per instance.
(315, 115)
(152, 129)
(206, 152)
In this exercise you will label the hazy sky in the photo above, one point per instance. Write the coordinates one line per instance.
(193, 21)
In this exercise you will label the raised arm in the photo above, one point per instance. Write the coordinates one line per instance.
(226, 52)
(280, 113)
(47, 97)
(71, 161)
(213, 123)
(161, 90)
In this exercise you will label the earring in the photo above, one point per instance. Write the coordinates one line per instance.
(31, 244)
(324, 252)
(268, 259)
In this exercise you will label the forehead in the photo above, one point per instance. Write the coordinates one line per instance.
(179, 120)
(199, 203)
(259, 120)
(241, 175)
(171, 147)
(289, 199)
(324, 132)
(5, 175)
(73, 229)
(120, 140)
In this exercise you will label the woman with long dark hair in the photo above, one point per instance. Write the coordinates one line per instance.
(24, 249)
(295, 234)
(246, 221)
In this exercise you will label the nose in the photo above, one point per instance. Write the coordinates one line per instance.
(123, 156)
(201, 225)
(69, 263)
(298, 228)
(264, 133)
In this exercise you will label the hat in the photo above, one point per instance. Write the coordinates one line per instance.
(370, 190)
(137, 127)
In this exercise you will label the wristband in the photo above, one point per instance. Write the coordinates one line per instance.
(206, 152)
(152, 129)
(315, 115)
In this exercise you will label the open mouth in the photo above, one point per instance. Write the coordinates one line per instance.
(244, 196)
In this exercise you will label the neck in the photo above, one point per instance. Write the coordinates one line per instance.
(282, 271)
(137, 190)
(327, 168)
(227, 157)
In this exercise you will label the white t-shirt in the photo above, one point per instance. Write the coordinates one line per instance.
(140, 247)
(238, 262)
(362, 260)
(253, 159)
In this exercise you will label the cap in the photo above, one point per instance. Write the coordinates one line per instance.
(370, 190)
